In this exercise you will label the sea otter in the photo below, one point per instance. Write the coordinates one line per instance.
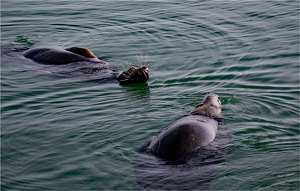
(190, 133)
(81, 62)
(186, 154)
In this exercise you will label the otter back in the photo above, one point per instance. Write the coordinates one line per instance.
(184, 136)
(54, 56)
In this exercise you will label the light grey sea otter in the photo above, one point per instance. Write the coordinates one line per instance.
(82, 62)
(186, 153)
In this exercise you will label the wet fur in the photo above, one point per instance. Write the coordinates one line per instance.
(82, 56)
(190, 133)
(180, 164)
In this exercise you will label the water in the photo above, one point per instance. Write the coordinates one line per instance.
(57, 134)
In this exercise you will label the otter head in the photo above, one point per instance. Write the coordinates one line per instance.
(133, 75)
(210, 106)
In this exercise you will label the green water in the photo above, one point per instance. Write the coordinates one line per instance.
(57, 134)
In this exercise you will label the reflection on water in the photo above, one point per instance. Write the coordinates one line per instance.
(137, 91)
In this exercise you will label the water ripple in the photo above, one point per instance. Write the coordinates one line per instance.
(61, 134)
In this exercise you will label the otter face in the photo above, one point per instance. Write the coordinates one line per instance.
(211, 106)
(133, 75)
(212, 99)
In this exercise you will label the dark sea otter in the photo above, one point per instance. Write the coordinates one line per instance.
(77, 61)
(189, 133)
(185, 154)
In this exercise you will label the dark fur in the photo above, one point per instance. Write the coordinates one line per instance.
(73, 55)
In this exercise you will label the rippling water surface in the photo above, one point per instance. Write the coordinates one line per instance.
(57, 134)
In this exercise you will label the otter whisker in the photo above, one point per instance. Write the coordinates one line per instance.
(139, 59)
(143, 60)
(129, 65)
(123, 67)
